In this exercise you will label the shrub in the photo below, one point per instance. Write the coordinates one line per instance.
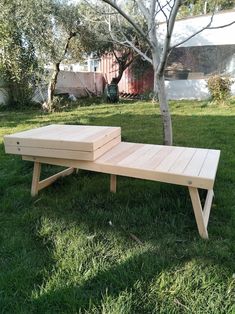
(219, 87)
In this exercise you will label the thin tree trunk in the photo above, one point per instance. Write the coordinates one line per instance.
(56, 70)
(123, 64)
(160, 94)
(160, 91)
(117, 79)
(52, 85)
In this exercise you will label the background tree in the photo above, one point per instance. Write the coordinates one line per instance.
(57, 33)
(153, 12)
(35, 34)
(18, 61)
(104, 28)
(198, 7)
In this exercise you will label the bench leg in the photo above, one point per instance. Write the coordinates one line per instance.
(201, 215)
(38, 185)
(36, 178)
(113, 183)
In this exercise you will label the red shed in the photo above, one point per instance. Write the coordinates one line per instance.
(131, 82)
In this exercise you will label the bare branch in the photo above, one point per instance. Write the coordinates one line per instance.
(127, 42)
(129, 19)
(170, 27)
(142, 54)
(222, 26)
(163, 7)
(143, 9)
(114, 38)
(194, 34)
(162, 11)
(153, 8)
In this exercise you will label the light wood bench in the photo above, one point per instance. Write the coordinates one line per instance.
(192, 167)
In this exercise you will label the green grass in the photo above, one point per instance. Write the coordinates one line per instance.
(60, 254)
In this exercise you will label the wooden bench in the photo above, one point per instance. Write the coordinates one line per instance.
(192, 167)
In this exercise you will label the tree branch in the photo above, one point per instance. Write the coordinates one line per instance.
(127, 43)
(194, 34)
(162, 7)
(143, 9)
(222, 26)
(129, 19)
(142, 54)
(161, 10)
(170, 27)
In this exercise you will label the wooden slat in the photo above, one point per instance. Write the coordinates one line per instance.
(61, 153)
(100, 141)
(100, 137)
(47, 152)
(182, 161)
(32, 132)
(121, 155)
(157, 158)
(119, 148)
(71, 137)
(136, 155)
(48, 181)
(106, 147)
(210, 165)
(194, 166)
(170, 159)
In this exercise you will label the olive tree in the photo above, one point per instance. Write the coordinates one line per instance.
(18, 60)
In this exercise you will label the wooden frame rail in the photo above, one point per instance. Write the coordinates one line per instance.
(38, 185)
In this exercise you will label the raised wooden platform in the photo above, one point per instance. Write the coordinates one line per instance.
(81, 142)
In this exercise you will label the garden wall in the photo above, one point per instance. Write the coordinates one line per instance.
(80, 83)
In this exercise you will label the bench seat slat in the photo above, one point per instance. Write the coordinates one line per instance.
(170, 159)
(121, 155)
(145, 158)
(156, 159)
(182, 161)
(210, 165)
(194, 166)
(121, 147)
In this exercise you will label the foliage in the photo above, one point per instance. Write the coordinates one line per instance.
(59, 253)
(198, 7)
(38, 33)
(106, 32)
(18, 62)
(219, 87)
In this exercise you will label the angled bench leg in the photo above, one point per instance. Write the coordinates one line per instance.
(36, 178)
(38, 185)
(201, 215)
(113, 183)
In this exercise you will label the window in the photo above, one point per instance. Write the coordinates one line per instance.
(200, 62)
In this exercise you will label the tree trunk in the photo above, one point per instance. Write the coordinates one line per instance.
(52, 85)
(160, 90)
(123, 61)
(56, 70)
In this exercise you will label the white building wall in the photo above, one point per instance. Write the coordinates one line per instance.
(189, 89)
(186, 27)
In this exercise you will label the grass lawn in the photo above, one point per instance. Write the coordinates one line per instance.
(72, 249)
